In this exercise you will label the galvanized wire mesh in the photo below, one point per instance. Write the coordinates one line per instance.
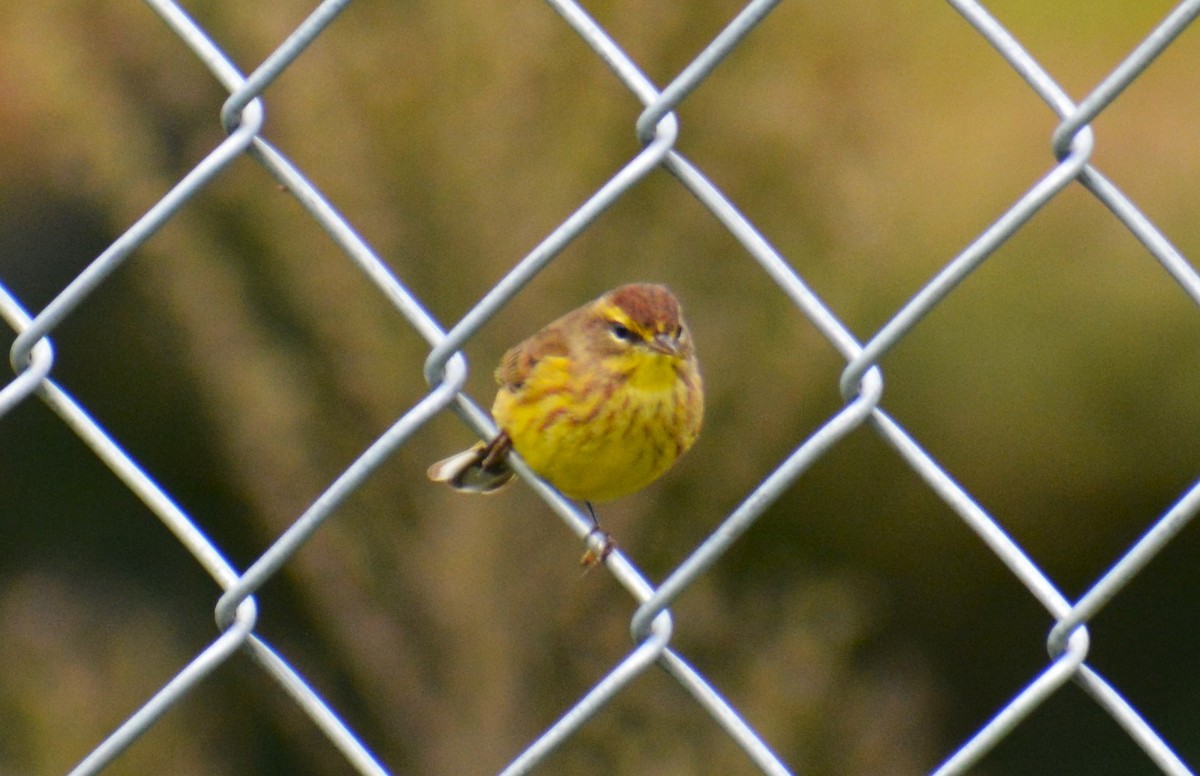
(446, 371)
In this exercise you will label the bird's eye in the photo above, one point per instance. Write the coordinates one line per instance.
(622, 332)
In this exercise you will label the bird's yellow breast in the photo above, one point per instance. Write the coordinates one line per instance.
(602, 437)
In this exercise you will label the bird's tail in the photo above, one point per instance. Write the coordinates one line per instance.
(480, 469)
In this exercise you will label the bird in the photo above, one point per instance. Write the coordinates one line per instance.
(599, 403)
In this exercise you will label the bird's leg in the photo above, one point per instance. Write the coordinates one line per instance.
(493, 454)
(597, 536)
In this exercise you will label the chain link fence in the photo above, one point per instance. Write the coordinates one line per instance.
(862, 386)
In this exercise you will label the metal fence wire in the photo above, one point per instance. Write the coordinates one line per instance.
(445, 370)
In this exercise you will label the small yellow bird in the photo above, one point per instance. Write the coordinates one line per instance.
(599, 403)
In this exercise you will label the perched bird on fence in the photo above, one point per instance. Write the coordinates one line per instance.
(599, 403)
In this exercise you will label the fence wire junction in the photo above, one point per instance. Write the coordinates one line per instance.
(446, 371)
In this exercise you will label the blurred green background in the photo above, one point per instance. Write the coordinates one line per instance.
(243, 361)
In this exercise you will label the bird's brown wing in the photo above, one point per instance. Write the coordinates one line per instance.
(519, 362)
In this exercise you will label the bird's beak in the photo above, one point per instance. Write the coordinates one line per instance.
(665, 344)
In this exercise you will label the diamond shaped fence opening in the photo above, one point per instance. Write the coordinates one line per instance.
(876, 445)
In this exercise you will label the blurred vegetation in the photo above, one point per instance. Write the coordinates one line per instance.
(244, 363)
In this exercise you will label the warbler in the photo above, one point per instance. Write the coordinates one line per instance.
(599, 403)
